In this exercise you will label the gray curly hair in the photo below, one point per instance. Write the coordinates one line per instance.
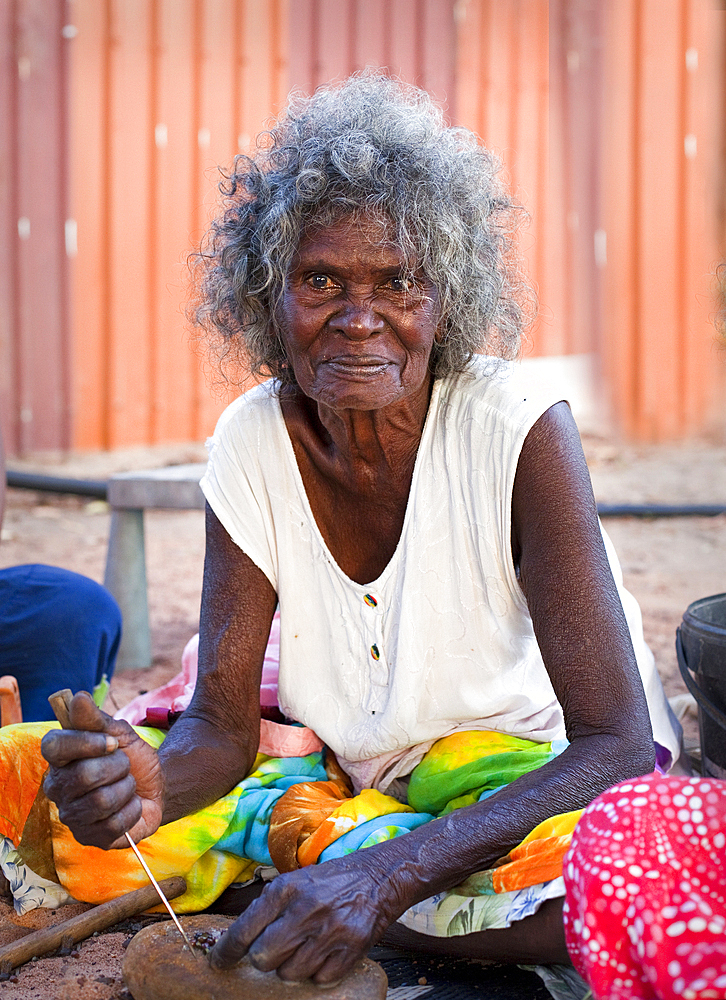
(370, 144)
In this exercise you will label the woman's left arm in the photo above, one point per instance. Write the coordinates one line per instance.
(586, 646)
(319, 920)
(575, 607)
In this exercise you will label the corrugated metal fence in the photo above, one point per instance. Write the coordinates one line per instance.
(662, 208)
(35, 365)
(114, 115)
(162, 93)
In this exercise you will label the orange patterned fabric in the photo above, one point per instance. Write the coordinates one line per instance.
(22, 774)
(285, 813)
(349, 815)
(539, 857)
(297, 816)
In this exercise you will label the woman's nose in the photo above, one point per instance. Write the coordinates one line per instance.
(358, 320)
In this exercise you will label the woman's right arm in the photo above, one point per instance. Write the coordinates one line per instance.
(213, 744)
(106, 780)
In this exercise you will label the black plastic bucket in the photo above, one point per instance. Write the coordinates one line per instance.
(701, 648)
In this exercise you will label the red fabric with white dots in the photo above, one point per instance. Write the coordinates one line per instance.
(645, 913)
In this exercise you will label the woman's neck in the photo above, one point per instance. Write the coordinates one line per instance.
(388, 436)
(357, 467)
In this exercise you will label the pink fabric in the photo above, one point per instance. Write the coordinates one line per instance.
(275, 740)
(174, 695)
(645, 913)
(287, 741)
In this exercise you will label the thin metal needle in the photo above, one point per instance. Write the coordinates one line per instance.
(158, 888)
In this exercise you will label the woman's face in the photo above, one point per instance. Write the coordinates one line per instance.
(357, 333)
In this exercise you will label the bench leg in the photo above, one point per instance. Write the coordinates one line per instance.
(126, 580)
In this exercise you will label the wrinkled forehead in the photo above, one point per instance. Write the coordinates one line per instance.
(363, 230)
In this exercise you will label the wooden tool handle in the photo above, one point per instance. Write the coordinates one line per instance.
(11, 710)
(79, 928)
(60, 703)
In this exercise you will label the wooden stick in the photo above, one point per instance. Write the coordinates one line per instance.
(10, 708)
(59, 702)
(79, 928)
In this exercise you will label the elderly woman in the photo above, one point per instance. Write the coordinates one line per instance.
(429, 533)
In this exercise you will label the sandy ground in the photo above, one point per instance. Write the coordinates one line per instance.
(89, 970)
(667, 564)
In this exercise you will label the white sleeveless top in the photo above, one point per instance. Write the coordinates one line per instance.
(442, 640)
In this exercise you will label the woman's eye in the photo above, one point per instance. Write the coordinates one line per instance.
(320, 281)
(410, 287)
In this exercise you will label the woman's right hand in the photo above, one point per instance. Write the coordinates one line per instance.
(104, 778)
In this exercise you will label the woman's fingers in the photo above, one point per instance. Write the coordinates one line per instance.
(84, 713)
(306, 963)
(93, 733)
(98, 804)
(275, 948)
(81, 777)
(106, 833)
(96, 798)
(234, 944)
(311, 924)
(63, 746)
(103, 777)
(334, 968)
(313, 948)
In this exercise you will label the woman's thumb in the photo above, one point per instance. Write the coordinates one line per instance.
(85, 714)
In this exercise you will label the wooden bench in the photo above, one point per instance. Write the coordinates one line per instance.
(175, 487)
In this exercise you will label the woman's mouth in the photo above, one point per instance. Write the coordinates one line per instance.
(357, 367)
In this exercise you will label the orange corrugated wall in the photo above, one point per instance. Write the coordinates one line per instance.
(503, 93)
(627, 208)
(162, 93)
(414, 39)
(610, 128)
(34, 316)
(662, 210)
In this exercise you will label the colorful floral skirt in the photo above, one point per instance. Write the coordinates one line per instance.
(289, 812)
(645, 914)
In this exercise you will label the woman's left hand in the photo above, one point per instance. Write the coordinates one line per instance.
(314, 923)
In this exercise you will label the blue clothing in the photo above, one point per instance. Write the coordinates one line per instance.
(58, 629)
